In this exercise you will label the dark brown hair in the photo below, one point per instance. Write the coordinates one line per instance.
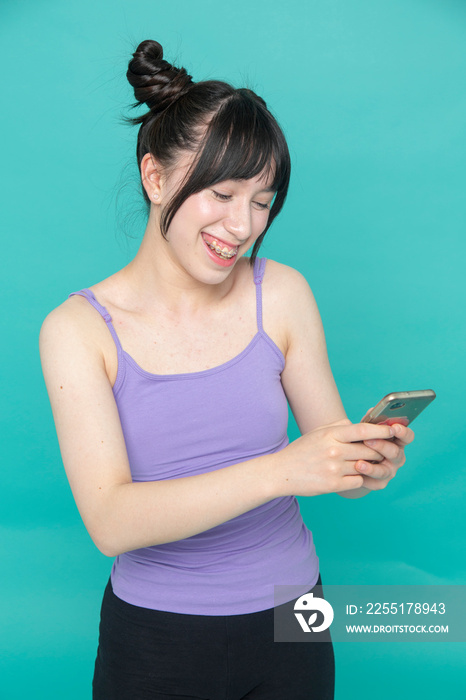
(232, 131)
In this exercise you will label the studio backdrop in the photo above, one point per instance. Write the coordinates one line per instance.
(371, 96)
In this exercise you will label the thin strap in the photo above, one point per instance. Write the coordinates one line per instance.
(259, 270)
(87, 294)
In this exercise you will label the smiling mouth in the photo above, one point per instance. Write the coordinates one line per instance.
(222, 251)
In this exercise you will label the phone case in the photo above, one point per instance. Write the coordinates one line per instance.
(400, 407)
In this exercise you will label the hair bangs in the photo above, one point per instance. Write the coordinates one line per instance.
(241, 141)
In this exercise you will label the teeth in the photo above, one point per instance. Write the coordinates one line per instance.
(224, 252)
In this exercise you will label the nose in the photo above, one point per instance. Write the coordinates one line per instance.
(238, 220)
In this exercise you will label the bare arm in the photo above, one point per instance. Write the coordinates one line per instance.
(312, 393)
(307, 378)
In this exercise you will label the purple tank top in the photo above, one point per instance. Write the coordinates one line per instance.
(179, 425)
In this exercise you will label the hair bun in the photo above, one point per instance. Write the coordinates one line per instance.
(156, 82)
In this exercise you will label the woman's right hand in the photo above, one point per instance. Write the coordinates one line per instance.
(324, 460)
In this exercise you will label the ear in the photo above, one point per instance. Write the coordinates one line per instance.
(151, 178)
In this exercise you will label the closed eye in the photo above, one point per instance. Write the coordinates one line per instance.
(261, 205)
(222, 197)
(226, 198)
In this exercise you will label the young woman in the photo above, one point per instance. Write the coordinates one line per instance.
(169, 384)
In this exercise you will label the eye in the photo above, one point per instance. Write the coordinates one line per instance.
(222, 197)
(261, 205)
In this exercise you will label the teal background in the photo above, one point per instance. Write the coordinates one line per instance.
(371, 95)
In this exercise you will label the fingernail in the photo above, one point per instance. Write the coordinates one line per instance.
(362, 467)
(371, 443)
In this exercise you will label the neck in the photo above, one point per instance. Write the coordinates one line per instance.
(154, 275)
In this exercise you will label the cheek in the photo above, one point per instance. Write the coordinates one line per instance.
(260, 221)
(198, 207)
(207, 208)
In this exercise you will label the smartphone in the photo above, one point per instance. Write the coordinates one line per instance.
(400, 407)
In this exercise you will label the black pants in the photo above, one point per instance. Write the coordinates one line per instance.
(150, 654)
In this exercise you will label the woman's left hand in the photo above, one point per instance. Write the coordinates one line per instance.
(392, 457)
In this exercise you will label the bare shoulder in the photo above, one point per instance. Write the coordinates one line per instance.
(72, 331)
(307, 377)
(285, 281)
(288, 301)
(74, 319)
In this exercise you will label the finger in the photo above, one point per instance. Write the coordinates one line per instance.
(403, 434)
(351, 481)
(356, 451)
(376, 471)
(388, 449)
(358, 432)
